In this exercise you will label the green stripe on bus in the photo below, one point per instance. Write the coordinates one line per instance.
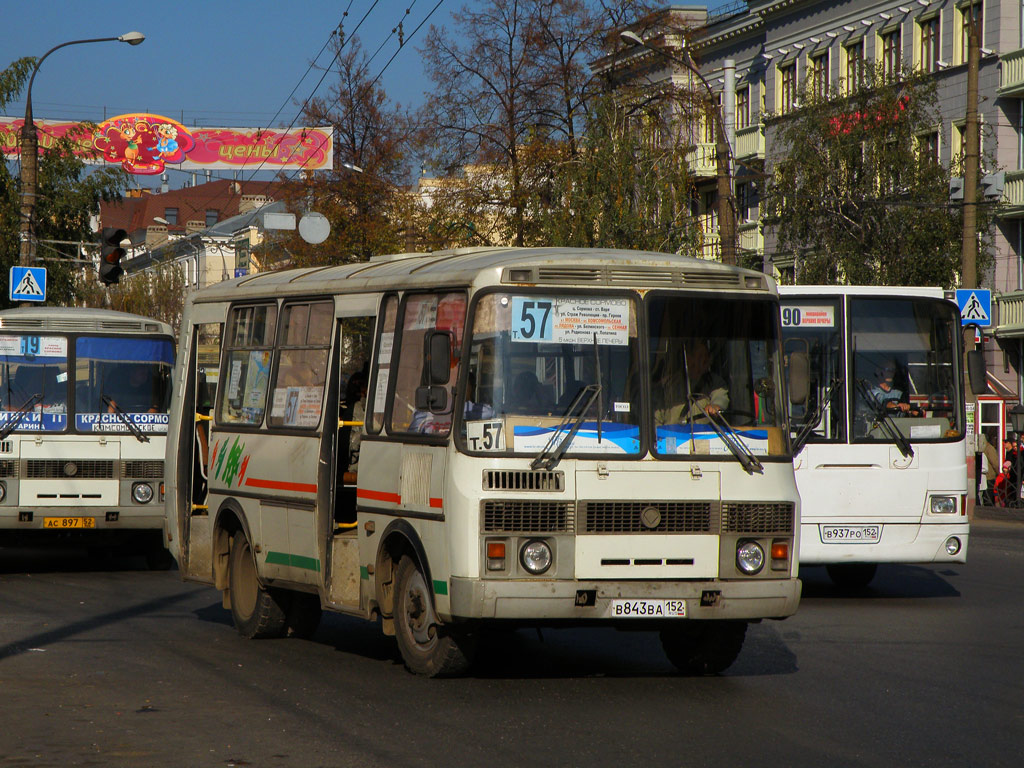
(364, 573)
(294, 561)
(440, 587)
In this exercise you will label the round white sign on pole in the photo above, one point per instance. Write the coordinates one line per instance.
(314, 228)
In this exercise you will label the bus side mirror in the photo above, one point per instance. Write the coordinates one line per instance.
(798, 378)
(437, 353)
(976, 371)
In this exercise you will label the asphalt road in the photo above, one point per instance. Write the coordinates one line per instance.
(106, 664)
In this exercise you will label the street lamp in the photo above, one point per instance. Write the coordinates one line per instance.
(30, 147)
(723, 156)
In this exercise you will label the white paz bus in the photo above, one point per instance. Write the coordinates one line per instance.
(83, 421)
(880, 454)
(500, 436)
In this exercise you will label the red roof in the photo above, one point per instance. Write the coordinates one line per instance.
(135, 214)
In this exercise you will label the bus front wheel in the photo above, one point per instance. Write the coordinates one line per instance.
(427, 646)
(256, 611)
(703, 647)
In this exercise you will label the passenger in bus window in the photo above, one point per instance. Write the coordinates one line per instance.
(886, 395)
(354, 410)
(475, 409)
(527, 395)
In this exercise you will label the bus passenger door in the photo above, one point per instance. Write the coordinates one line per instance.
(340, 448)
(202, 367)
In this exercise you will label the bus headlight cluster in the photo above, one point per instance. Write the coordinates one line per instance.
(749, 557)
(142, 493)
(952, 545)
(943, 505)
(3, 491)
(536, 556)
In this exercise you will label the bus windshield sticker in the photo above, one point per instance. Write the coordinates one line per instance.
(615, 438)
(235, 380)
(34, 346)
(804, 316)
(113, 422)
(677, 439)
(570, 320)
(380, 395)
(33, 421)
(622, 407)
(485, 435)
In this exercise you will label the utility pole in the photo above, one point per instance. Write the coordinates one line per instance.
(969, 252)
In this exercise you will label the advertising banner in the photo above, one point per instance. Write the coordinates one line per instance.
(144, 143)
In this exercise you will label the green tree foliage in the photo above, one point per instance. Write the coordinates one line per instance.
(67, 195)
(853, 194)
(158, 292)
(627, 187)
(367, 211)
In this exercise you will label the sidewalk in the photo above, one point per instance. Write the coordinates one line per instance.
(1003, 514)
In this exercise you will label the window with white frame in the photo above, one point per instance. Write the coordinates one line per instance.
(928, 41)
(854, 53)
(742, 107)
(819, 74)
(963, 19)
(891, 41)
(787, 87)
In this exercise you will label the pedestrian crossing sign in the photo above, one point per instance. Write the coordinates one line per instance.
(975, 306)
(28, 284)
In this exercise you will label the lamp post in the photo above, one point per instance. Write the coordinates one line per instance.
(723, 154)
(30, 148)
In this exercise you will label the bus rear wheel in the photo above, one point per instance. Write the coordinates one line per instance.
(427, 646)
(256, 611)
(703, 647)
(851, 575)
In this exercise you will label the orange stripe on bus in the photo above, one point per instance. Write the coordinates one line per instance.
(280, 485)
(365, 493)
(437, 503)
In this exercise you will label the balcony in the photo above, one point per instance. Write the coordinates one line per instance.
(701, 160)
(748, 239)
(750, 143)
(1011, 74)
(1011, 315)
(1013, 196)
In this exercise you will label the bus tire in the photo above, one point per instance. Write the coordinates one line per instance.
(255, 610)
(701, 647)
(851, 575)
(427, 646)
(303, 614)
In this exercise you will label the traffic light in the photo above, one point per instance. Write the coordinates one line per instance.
(110, 255)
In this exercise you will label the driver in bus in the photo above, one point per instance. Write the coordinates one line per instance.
(708, 393)
(886, 395)
(134, 393)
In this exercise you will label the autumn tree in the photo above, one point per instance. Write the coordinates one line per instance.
(367, 210)
(855, 194)
(67, 194)
(158, 292)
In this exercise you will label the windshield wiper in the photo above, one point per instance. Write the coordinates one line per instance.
(13, 423)
(883, 419)
(124, 419)
(549, 457)
(739, 449)
(808, 426)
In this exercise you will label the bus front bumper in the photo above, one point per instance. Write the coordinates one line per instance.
(540, 600)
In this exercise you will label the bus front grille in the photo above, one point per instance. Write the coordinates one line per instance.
(89, 469)
(523, 516)
(8, 468)
(143, 470)
(757, 517)
(523, 480)
(647, 517)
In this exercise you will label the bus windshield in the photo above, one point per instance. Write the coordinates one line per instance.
(715, 370)
(532, 355)
(905, 368)
(34, 382)
(118, 378)
(813, 345)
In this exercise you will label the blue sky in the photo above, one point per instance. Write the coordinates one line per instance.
(206, 63)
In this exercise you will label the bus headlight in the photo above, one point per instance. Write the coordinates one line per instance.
(943, 505)
(536, 556)
(3, 491)
(142, 493)
(952, 545)
(750, 557)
